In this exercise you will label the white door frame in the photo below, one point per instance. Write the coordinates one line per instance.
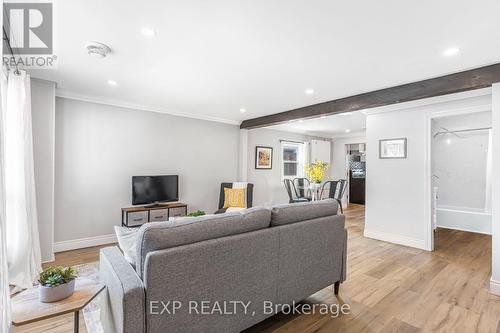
(429, 230)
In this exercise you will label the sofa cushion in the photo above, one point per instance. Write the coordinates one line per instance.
(297, 212)
(163, 235)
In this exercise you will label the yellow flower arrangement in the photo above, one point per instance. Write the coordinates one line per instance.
(316, 171)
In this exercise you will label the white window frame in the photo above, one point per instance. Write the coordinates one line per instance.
(301, 158)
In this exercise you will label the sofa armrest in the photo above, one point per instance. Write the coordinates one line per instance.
(123, 301)
(344, 257)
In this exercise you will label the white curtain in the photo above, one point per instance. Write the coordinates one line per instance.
(23, 245)
(4, 280)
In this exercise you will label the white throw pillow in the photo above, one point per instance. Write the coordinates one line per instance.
(127, 240)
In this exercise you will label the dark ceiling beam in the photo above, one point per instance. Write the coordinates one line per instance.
(468, 80)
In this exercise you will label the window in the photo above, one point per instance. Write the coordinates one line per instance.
(293, 159)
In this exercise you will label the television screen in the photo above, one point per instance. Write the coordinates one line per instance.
(151, 189)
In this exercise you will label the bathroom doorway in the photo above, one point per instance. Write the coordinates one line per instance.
(461, 164)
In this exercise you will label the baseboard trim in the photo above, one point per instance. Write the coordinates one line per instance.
(495, 287)
(397, 239)
(84, 242)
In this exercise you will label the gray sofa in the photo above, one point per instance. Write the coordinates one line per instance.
(281, 255)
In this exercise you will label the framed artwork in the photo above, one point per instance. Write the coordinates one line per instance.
(263, 157)
(393, 148)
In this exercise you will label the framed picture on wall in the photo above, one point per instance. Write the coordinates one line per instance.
(393, 148)
(263, 157)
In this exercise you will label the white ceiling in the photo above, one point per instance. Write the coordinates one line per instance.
(330, 126)
(211, 58)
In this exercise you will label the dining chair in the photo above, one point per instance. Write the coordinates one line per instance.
(336, 190)
(300, 185)
(292, 192)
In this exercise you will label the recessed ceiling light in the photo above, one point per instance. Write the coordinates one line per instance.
(243, 110)
(451, 51)
(345, 114)
(347, 130)
(147, 32)
(309, 91)
(448, 141)
(301, 120)
(112, 82)
(323, 117)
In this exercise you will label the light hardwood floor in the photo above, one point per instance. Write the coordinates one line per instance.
(390, 288)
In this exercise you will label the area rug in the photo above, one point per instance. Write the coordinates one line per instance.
(91, 312)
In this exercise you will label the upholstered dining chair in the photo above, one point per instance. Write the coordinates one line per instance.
(222, 196)
(292, 192)
(336, 190)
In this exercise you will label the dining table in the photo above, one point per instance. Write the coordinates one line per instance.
(313, 188)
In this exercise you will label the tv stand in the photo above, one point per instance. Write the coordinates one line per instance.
(157, 212)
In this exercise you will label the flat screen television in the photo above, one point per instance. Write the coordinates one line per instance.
(154, 189)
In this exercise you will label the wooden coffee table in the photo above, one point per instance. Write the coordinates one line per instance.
(26, 308)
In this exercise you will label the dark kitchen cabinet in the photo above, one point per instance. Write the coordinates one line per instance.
(356, 190)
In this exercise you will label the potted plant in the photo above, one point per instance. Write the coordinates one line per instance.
(197, 213)
(56, 283)
(316, 172)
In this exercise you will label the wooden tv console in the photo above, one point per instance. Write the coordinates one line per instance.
(138, 215)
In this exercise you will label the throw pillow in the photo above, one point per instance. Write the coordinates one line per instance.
(235, 197)
(127, 240)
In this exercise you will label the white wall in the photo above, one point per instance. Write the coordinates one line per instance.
(398, 190)
(100, 147)
(268, 186)
(43, 118)
(495, 276)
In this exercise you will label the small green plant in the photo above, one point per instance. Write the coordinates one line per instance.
(54, 276)
(197, 213)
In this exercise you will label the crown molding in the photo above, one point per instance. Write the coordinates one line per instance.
(121, 104)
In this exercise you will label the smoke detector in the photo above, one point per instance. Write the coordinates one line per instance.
(97, 50)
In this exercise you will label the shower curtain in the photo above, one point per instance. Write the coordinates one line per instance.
(4, 280)
(22, 239)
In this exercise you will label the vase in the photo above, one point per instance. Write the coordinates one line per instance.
(315, 186)
(48, 294)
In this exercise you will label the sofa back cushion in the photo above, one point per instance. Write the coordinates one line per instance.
(163, 235)
(297, 212)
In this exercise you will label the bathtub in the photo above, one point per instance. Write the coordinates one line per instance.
(459, 218)
(466, 219)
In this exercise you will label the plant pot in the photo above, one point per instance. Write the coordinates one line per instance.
(53, 294)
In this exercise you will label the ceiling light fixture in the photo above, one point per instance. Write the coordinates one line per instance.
(345, 114)
(97, 50)
(323, 117)
(301, 120)
(147, 32)
(309, 91)
(243, 110)
(347, 130)
(451, 51)
(112, 83)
